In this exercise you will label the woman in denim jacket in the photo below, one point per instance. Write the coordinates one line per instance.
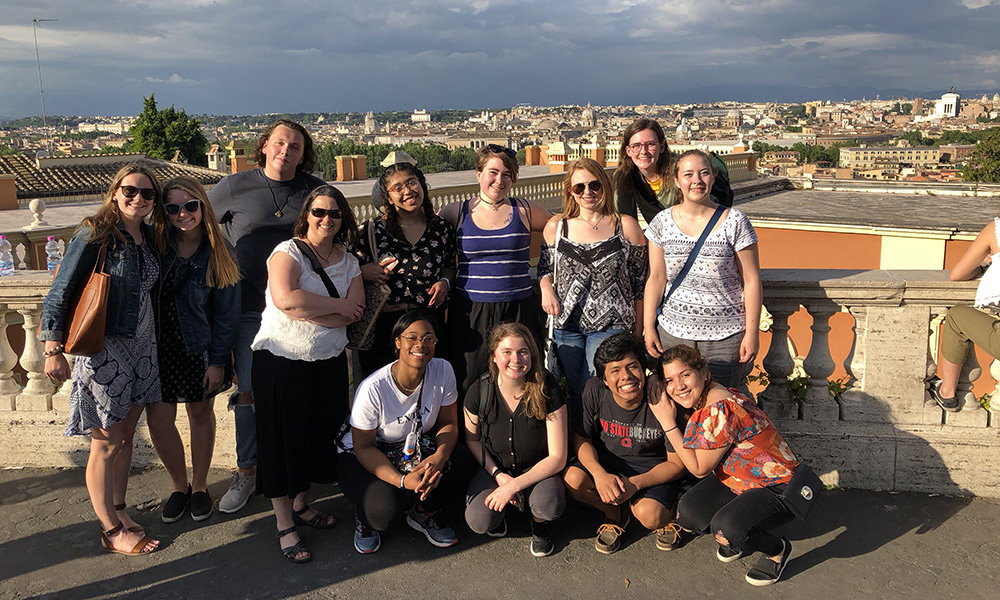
(197, 304)
(110, 388)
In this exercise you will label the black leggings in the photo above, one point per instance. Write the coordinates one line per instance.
(744, 520)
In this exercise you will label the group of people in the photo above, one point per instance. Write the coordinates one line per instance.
(259, 278)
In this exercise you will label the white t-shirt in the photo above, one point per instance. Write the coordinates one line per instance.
(708, 304)
(290, 338)
(380, 405)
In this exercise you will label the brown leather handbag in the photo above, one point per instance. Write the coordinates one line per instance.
(86, 329)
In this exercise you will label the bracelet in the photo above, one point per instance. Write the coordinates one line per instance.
(401, 480)
(55, 351)
(493, 473)
(669, 430)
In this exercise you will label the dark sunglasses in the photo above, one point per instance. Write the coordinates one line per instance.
(129, 191)
(498, 149)
(190, 207)
(319, 213)
(595, 186)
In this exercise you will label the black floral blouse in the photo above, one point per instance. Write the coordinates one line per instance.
(420, 265)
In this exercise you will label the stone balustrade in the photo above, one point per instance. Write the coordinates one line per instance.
(879, 433)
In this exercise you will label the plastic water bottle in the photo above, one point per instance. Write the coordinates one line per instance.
(52, 253)
(6, 257)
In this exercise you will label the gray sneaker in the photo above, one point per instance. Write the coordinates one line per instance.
(440, 535)
(366, 539)
(240, 490)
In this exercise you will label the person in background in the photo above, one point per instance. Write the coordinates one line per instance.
(197, 303)
(258, 209)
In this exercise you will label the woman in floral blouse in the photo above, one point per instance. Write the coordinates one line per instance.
(414, 255)
(744, 461)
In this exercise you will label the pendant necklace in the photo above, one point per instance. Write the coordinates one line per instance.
(279, 210)
(493, 205)
(326, 259)
(595, 224)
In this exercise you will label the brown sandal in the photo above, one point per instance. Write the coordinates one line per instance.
(139, 548)
(135, 528)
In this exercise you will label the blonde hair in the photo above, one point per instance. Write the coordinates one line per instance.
(104, 223)
(605, 202)
(534, 385)
(222, 270)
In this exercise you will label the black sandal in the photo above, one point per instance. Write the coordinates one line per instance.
(320, 520)
(291, 551)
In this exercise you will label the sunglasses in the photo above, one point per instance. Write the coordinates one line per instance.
(498, 149)
(333, 213)
(190, 207)
(595, 186)
(129, 191)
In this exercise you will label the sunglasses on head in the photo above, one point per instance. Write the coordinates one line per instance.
(190, 207)
(319, 213)
(498, 149)
(129, 191)
(595, 186)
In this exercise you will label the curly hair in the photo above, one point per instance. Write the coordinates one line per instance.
(308, 163)
(534, 386)
(692, 359)
(391, 214)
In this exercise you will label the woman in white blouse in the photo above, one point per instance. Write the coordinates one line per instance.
(299, 366)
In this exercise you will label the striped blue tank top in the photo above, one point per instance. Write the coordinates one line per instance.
(493, 263)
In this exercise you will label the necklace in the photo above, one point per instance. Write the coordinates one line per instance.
(278, 210)
(493, 205)
(326, 258)
(595, 223)
(406, 390)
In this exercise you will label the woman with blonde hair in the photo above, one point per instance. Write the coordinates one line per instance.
(591, 273)
(111, 387)
(198, 312)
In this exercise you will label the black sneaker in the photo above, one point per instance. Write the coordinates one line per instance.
(499, 531)
(934, 389)
(541, 539)
(766, 571)
(201, 506)
(176, 504)
(727, 555)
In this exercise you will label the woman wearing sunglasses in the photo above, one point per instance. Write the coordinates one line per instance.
(591, 273)
(414, 255)
(494, 243)
(111, 387)
(314, 291)
(198, 315)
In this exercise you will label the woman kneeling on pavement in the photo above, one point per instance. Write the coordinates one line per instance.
(745, 463)
(398, 454)
(515, 426)
(625, 465)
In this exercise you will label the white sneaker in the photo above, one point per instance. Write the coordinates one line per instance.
(240, 490)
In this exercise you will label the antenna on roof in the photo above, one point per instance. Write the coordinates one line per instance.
(41, 94)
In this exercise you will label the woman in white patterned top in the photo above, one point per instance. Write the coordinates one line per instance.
(716, 307)
(600, 261)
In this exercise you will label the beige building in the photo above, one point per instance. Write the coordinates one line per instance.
(870, 157)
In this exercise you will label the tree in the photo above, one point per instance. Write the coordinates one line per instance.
(160, 133)
(984, 164)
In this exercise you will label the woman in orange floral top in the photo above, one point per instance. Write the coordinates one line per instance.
(743, 460)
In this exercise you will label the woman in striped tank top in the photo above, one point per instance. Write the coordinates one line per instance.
(494, 241)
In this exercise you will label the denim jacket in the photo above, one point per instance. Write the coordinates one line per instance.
(122, 263)
(209, 317)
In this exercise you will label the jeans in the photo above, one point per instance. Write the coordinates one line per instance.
(246, 422)
(723, 358)
(744, 520)
(546, 500)
(576, 357)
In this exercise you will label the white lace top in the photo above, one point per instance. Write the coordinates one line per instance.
(988, 292)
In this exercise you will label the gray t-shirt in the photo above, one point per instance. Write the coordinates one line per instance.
(246, 204)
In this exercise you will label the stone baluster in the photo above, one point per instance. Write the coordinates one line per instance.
(22, 256)
(37, 394)
(9, 389)
(819, 405)
(779, 365)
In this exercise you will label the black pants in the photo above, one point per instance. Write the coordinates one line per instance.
(744, 520)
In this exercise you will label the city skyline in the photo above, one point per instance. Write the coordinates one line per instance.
(226, 57)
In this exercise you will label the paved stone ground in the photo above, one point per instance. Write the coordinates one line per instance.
(856, 544)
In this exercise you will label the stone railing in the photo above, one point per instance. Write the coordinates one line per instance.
(880, 433)
(739, 166)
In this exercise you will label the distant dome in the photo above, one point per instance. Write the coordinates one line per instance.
(735, 113)
(550, 124)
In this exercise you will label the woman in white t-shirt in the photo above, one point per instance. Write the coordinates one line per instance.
(716, 307)
(299, 365)
(397, 455)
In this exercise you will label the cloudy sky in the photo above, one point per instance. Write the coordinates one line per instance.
(249, 56)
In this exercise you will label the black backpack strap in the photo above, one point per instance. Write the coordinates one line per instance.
(485, 389)
(314, 262)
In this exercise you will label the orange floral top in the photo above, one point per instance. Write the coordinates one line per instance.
(758, 456)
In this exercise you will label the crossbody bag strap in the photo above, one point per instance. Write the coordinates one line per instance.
(694, 251)
(371, 240)
(314, 262)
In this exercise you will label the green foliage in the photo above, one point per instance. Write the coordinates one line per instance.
(793, 128)
(6, 150)
(160, 133)
(431, 158)
(984, 401)
(797, 111)
(906, 109)
(798, 387)
(984, 164)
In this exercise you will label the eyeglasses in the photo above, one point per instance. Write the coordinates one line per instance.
(191, 207)
(333, 213)
(648, 147)
(129, 191)
(498, 149)
(413, 183)
(428, 339)
(595, 186)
